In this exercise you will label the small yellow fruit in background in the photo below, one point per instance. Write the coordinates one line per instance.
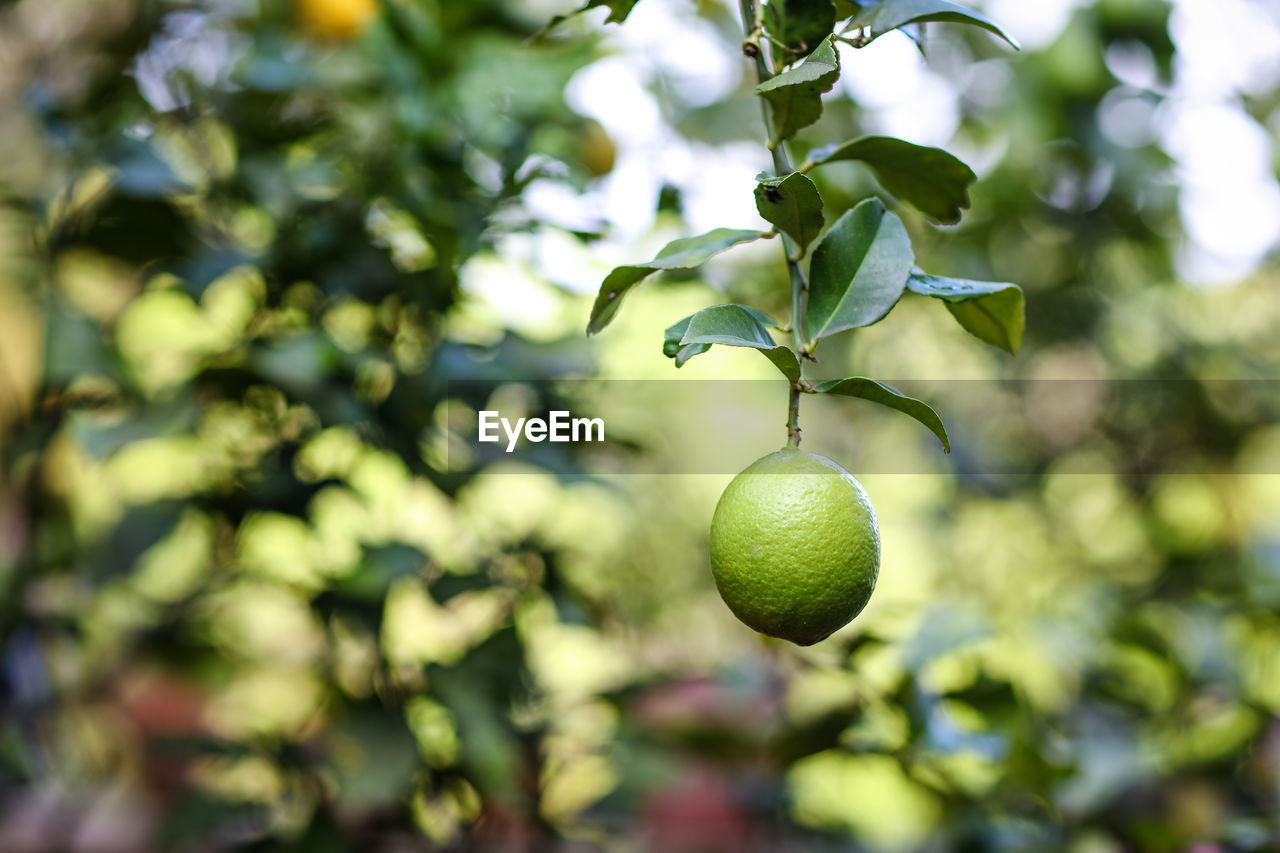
(596, 149)
(337, 19)
(795, 548)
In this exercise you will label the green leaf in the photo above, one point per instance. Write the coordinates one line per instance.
(792, 203)
(886, 395)
(795, 95)
(858, 271)
(671, 347)
(991, 311)
(887, 15)
(800, 24)
(929, 179)
(685, 253)
(735, 326)
(618, 11)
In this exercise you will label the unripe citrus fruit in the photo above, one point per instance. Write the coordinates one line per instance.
(795, 548)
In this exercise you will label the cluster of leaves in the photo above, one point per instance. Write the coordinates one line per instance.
(863, 263)
(233, 274)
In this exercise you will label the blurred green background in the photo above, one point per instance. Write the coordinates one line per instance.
(244, 605)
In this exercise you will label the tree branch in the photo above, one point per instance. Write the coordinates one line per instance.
(753, 24)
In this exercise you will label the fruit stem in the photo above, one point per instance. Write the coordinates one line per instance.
(752, 22)
(793, 417)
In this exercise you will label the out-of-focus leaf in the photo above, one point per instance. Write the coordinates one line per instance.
(886, 395)
(140, 229)
(795, 95)
(300, 363)
(859, 270)
(102, 435)
(800, 24)
(75, 345)
(685, 253)
(142, 173)
(480, 693)
(792, 203)
(374, 756)
(382, 564)
(929, 179)
(943, 629)
(991, 311)
(323, 835)
(194, 817)
(618, 11)
(887, 15)
(739, 326)
(139, 529)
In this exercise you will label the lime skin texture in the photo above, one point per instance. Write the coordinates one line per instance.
(795, 548)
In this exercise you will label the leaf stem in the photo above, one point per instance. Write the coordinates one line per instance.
(753, 23)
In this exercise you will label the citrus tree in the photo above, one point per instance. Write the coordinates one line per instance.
(245, 604)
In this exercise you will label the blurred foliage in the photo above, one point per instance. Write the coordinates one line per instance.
(246, 606)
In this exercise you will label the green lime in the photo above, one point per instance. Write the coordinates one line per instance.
(795, 549)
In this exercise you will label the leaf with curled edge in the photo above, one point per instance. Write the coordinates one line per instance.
(991, 311)
(672, 348)
(878, 18)
(929, 179)
(795, 95)
(887, 395)
(685, 253)
(735, 326)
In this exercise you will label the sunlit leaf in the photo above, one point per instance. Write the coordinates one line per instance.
(795, 95)
(929, 179)
(859, 270)
(887, 15)
(792, 203)
(885, 395)
(686, 253)
(991, 311)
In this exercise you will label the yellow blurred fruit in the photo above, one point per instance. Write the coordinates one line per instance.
(596, 149)
(337, 19)
(795, 548)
